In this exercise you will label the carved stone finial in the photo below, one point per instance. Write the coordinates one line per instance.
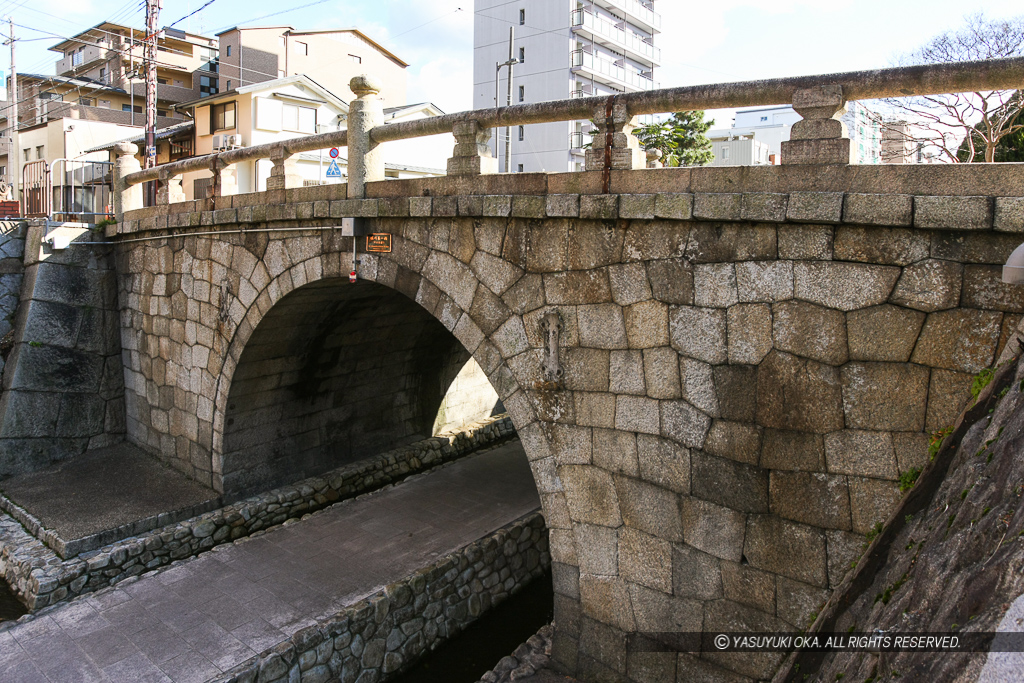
(364, 85)
(551, 326)
(126, 149)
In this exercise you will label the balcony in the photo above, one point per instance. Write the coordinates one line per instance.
(638, 13)
(609, 72)
(600, 30)
(79, 60)
(166, 93)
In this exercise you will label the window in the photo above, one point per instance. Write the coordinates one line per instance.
(3, 170)
(725, 153)
(522, 55)
(105, 104)
(161, 112)
(522, 133)
(300, 119)
(356, 58)
(40, 151)
(208, 85)
(520, 168)
(178, 82)
(522, 17)
(229, 84)
(228, 48)
(87, 101)
(222, 116)
(103, 73)
(161, 81)
(522, 93)
(301, 48)
(26, 152)
(128, 107)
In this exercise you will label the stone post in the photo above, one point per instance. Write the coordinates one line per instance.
(654, 159)
(615, 131)
(821, 138)
(225, 182)
(472, 154)
(284, 174)
(126, 197)
(365, 160)
(170, 191)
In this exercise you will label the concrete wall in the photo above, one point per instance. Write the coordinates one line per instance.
(751, 357)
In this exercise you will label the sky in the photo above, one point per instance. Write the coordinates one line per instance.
(702, 41)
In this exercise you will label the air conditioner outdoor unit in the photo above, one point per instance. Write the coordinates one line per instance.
(218, 143)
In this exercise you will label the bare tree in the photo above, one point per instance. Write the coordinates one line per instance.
(957, 127)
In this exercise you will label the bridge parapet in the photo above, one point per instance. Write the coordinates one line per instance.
(820, 139)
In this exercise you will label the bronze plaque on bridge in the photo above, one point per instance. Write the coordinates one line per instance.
(379, 242)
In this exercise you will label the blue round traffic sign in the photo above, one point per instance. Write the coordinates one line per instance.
(334, 152)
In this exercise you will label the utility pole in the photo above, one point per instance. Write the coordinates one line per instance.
(497, 81)
(152, 13)
(508, 101)
(13, 158)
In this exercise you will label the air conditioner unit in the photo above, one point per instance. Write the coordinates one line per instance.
(218, 143)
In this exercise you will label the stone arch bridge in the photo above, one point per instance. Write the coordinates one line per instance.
(718, 374)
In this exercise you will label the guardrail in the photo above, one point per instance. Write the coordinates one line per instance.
(818, 139)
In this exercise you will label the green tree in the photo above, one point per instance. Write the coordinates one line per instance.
(680, 139)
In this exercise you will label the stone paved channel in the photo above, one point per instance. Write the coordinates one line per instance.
(203, 617)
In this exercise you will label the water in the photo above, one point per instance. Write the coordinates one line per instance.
(475, 651)
(10, 608)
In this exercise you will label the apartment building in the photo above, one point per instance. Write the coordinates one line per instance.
(251, 55)
(565, 48)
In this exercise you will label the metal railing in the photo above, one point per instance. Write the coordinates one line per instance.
(595, 64)
(81, 190)
(637, 10)
(627, 40)
(997, 74)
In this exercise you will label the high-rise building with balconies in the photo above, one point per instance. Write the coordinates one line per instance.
(565, 48)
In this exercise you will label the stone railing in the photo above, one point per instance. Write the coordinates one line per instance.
(820, 138)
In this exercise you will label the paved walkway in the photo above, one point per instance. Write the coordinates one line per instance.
(207, 615)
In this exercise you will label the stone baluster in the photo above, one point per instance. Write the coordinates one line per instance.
(472, 154)
(170, 191)
(365, 158)
(654, 159)
(224, 181)
(284, 174)
(820, 138)
(126, 197)
(614, 143)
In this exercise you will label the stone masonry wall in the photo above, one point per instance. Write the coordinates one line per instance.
(384, 633)
(750, 359)
(12, 251)
(469, 396)
(39, 577)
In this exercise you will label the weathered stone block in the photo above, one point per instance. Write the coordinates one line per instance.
(714, 529)
(654, 240)
(984, 288)
(888, 246)
(815, 207)
(844, 548)
(715, 285)
(615, 451)
(878, 209)
(978, 247)
(787, 548)
(810, 331)
(671, 281)
(725, 616)
(748, 586)
(649, 508)
(911, 450)
(629, 283)
(646, 324)
(733, 484)
(846, 286)
(570, 444)
(683, 423)
(769, 207)
(607, 600)
(594, 409)
(664, 463)
(821, 500)
(597, 548)
(626, 373)
(736, 389)
(930, 285)
(656, 610)
(718, 243)
(696, 574)
(645, 559)
(1009, 214)
(798, 602)
(962, 339)
(717, 206)
(872, 501)
(883, 333)
(884, 396)
(948, 395)
(798, 451)
(806, 242)
(637, 206)
(637, 414)
(563, 205)
(526, 206)
(602, 326)
(764, 281)
(585, 369)
(749, 333)
(590, 495)
(674, 206)
(859, 453)
(697, 385)
(798, 394)
(419, 206)
(738, 441)
(497, 205)
(577, 287)
(599, 207)
(699, 333)
(661, 372)
(953, 213)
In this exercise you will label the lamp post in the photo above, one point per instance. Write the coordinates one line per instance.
(508, 100)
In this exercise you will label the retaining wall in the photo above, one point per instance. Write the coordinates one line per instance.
(12, 250)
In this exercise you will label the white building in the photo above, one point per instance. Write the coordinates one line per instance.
(566, 48)
(772, 126)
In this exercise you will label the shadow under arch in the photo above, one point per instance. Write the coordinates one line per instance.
(332, 373)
